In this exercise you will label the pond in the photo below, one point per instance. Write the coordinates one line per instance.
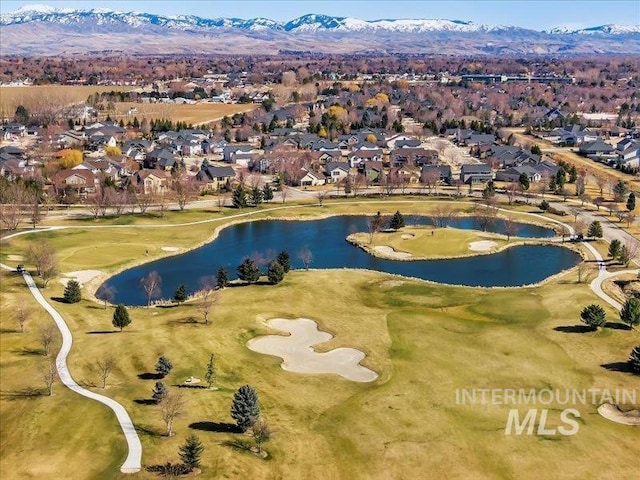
(325, 238)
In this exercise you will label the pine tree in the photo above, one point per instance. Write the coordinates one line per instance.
(284, 260)
(121, 317)
(248, 271)
(222, 278)
(275, 272)
(614, 248)
(620, 190)
(245, 409)
(523, 180)
(239, 197)
(210, 376)
(397, 221)
(191, 452)
(634, 359)
(164, 366)
(630, 313)
(631, 202)
(256, 196)
(181, 294)
(72, 292)
(160, 392)
(267, 193)
(595, 230)
(593, 316)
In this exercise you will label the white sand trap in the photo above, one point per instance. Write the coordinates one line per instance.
(81, 276)
(15, 258)
(407, 236)
(170, 249)
(299, 356)
(613, 413)
(482, 245)
(389, 252)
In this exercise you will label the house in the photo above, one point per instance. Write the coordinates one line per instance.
(413, 156)
(630, 156)
(443, 172)
(364, 155)
(13, 131)
(151, 181)
(82, 182)
(336, 171)
(596, 148)
(309, 178)
(159, 156)
(372, 171)
(513, 174)
(215, 178)
(230, 150)
(473, 173)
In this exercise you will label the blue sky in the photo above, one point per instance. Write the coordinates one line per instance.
(539, 15)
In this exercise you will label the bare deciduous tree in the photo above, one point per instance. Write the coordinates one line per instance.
(49, 375)
(106, 294)
(209, 297)
(171, 407)
(320, 195)
(441, 215)
(151, 285)
(510, 228)
(43, 256)
(306, 257)
(104, 368)
(47, 335)
(23, 313)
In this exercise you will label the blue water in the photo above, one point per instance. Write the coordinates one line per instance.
(519, 265)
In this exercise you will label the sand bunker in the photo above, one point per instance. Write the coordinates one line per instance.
(15, 258)
(81, 276)
(299, 356)
(170, 249)
(613, 413)
(482, 245)
(407, 236)
(389, 252)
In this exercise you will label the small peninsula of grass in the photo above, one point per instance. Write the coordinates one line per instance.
(428, 242)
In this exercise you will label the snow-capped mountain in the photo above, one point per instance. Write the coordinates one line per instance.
(46, 30)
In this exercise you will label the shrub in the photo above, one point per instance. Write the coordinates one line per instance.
(164, 366)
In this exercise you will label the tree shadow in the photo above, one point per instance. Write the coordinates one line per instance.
(27, 392)
(150, 376)
(195, 387)
(102, 332)
(58, 299)
(29, 351)
(96, 307)
(148, 431)
(219, 427)
(172, 305)
(574, 329)
(145, 401)
(623, 367)
(617, 326)
(9, 330)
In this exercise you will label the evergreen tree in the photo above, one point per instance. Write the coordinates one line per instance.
(267, 193)
(573, 174)
(275, 272)
(620, 190)
(631, 202)
(210, 376)
(72, 292)
(245, 409)
(544, 205)
(239, 197)
(191, 452)
(181, 294)
(248, 271)
(489, 190)
(397, 221)
(164, 366)
(593, 316)
(121, 317)
(630, 313)
(595, 230)
(560, 179)
(523, 180)
(222, 278)
(634, 359)
(256, 196)
(284, 260)
(160, 391)
(614, 248)
(624, 256)
(535, 150)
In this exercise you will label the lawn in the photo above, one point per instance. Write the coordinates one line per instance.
(196, 113)
(424, 340)
(424, 242)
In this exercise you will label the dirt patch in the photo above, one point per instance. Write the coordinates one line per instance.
(81, 276)
(299, 356)
(613, 413)
(482, 245)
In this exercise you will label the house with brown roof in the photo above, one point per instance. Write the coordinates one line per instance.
(82, 182)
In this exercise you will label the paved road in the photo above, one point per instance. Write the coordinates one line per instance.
(132, 463)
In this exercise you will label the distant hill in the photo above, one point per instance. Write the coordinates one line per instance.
(44, 30)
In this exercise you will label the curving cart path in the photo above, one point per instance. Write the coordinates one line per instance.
(132, 463)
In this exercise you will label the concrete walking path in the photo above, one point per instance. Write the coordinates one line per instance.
(132, 463)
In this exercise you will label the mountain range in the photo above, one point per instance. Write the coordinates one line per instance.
(45, 30)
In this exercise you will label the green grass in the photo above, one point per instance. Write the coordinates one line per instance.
(424, 340)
